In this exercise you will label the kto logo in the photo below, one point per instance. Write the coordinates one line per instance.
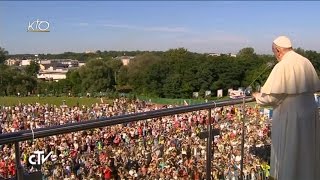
(40, 159)
(39, 26)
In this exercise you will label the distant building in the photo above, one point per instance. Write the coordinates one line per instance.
(50, 69)
(45, 61)
(232, 55)
(125, 59)
(53, 72)
(56, 69)
(70, 63)
(82, 64)
(220, 54)
(53, 76)
(53, 67)
(25, 62)
(214, 54)
(12, 62)
(88, 52)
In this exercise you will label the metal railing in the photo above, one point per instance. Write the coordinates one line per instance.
(23, 135)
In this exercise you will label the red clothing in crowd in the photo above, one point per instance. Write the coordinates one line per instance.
(232, 135)
(177, 124)
(12, 169)
(140, 131)
(102, 157)
(196, 175)
(107, 173)
(73, 153)
(2, 168)
(116, 140)
(15, 125)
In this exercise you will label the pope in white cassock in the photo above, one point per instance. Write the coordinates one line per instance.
(295, 133)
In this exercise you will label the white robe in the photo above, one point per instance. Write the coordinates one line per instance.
(295, 134)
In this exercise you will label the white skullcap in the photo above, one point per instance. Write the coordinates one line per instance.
(283, 41)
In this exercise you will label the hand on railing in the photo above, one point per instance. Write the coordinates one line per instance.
(255, 94)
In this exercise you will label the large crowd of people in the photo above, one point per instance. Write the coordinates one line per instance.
(161, 148)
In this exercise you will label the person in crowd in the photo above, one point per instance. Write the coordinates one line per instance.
(160, 148)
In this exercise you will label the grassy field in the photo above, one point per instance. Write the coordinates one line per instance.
(73, 101)
(171, 101)
(70, 101)
(179, 101)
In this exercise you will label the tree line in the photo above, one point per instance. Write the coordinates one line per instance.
(175, 73)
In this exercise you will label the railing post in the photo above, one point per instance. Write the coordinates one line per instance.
(209, 147)
(19, 171)
(242, 138)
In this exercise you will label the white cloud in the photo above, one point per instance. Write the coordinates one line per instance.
(141, 28)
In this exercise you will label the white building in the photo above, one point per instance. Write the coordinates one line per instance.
(220, 54)
(214, 54)
(54, 76)
(89, 52)
(12, 62)
(55, 70)
(45, 61)
(53, 73)
(82, 64)
(25, 62)
(126, 59)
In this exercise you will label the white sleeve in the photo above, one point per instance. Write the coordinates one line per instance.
(270, 100)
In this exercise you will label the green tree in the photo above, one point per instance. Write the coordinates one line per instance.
(247, 53)
(33, 69)
(136, 71)
(3, 55)
(177, 54)
(75, 81)
(6, 79)
(154, 79)
(171, 86)
(122, 76)
(97, 76)
(314, 57)
(300, 51)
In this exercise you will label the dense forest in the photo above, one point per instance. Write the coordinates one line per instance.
(175, 73)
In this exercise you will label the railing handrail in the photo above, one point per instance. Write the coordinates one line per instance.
(108, 121)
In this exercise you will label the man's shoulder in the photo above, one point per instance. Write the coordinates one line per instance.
(293, 54)
(292, 58)
(299, 56)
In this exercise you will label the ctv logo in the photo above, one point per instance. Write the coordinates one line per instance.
(39, 26)
(40, 159)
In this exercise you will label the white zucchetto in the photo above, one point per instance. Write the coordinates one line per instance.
(283, 41)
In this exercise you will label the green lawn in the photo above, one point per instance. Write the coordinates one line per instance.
(70, 101)
(177, 101)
